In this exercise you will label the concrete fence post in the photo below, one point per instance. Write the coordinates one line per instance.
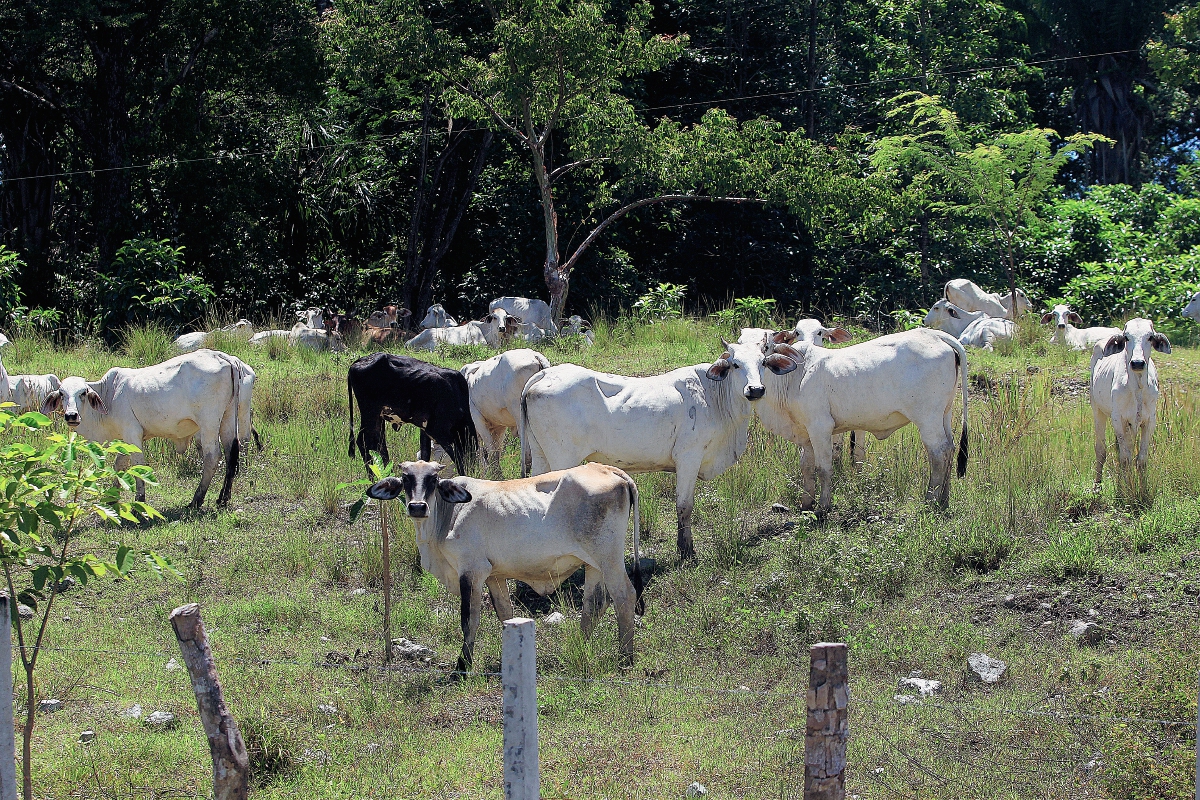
(522, 780)
(8, 734)
(828, 723)
(231, 764)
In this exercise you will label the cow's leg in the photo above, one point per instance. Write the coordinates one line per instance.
(685, 500)
(1125, 440)
(231, 448)
(821, 446)
(210, 452)
(470, 590)
(501, 600)
(382, 442)
(493, 447)
(124, 462)
(624, 599)
(940, 449)
(859, 448)
(595, 598)
(1100, 424)
(426, 446)
(1143, 453)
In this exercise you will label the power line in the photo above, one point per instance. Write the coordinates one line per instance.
(711, 102)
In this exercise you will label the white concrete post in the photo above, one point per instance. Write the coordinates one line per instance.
(522, 779)
(8, 738)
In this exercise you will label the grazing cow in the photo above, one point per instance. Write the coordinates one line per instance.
(196, 394)
(972, 328)
(967, 295)
(190, 342)
(389, 317)
(30, 391)
(262, 336)
(693, 421)
(1065, 332)
(437, 317)
(491, 332)
(495, 386)
(473, 532)
(316, 339)
(1125, 391)
(878, 386)
(535, 311)
(1192, 309)
(399, 389)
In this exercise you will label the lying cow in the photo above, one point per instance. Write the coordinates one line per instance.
(316, 339)
(436, 317)
(30, 391)
(472, 532)
(495, 386)
(527, 332)
(968, 296)
(535, 311)
(399, 389)
(389, 317)
(380, 337)
(491, 331)
(578, 326)
(693, 421)
(878, 386)
(1192, 309)
(1065, 332)
(1125, 392)
(971, 328)
(309, 318)
(262, 337)
(197, 394)
(190, 342)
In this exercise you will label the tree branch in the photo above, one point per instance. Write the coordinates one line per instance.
(491, 109)
(34, 96)
(165, 94)
(558, 172)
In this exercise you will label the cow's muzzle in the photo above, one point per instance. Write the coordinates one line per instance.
(72, 419)
(418, 510)
(754, 392)
(1137, 365)
(1062, 326)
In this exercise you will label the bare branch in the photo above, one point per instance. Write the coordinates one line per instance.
(491, 109)
(558, 172)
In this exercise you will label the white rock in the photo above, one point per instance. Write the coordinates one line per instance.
(696, 790)
(924, 686)
(173, 665)
(985, 668)
(133, 712)
(161, 720)
(327, 708)
(410, 650)
(906, 699)
(86, 737)
(25, 611)
(554, 618)
(50, 706)
(372, 748)
(1086, 633)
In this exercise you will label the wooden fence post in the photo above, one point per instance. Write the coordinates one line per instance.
(231, 765)
(522, 779)
(1198, 739)
(828, 723)
(8, 737)
(387, 584)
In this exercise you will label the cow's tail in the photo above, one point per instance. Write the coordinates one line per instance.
(639, 582)
(350, 403)
(960, 356)
(233, 460)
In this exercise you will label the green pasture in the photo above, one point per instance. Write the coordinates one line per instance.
(717, 692)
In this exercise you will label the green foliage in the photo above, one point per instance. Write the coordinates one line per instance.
(10, 293)
(1156, 289)
(664, 301)
(754, 312)
(147, 285)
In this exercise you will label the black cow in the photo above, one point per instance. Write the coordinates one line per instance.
(398, 389)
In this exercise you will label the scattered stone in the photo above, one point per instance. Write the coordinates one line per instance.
(65, 585)
(411, 650)
(985, 668)
(326, 639)
(359, 592)
(173, 665)
(1045, 606)
(1093, 612)
(1094, 764)
(696, 790)
(1010, 601)
(86, 737)
(372, 748)
(907, 699)
(181, 545)
(328, 708)
(162, 720)
(789, 733)
(25, 611)
(780, 508)
(49, 706)
(66, 618)
(1047, 623)
(743, 688)
(1086, 633)
(924, 686)
(554, 619)
(314, 756)
(133, 712)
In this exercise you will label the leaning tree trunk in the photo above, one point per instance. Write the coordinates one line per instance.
(557, 280)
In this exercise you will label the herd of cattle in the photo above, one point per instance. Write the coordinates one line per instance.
(693, 421)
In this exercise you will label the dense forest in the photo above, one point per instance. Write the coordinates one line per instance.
(162, 158)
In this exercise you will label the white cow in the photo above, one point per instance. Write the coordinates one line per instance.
(491, 332)
(196, 394)
(389, 317)
(437, 317)
(972, 328)
(535, 311)
(693, 421)
(967, 295)
(811, 330)
(472, 532)
(578, 326)
(495, 390)
(527, 332)
(1125, 391)
(190, 342)
(30, 391)
(316, 339)
(262, 336)
(1192, 309)
(1065, 332)
(310, 318)
(878, 386)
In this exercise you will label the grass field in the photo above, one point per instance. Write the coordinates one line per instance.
(1026, 547)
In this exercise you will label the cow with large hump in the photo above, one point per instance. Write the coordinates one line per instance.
(197, 394)
(969, 296)
(1125, 391)
(495, 386)
(473, 533)
(693, 421)
(399, 389)
(535, 311)
(878, 386)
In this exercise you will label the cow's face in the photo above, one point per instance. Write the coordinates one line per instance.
(435, 317)
(1192, 309)
(811, 330)
(746, 362)
(72, 397)
(1023, 305)
(502, 322)
(941, 313)
(419, 483)
(1061, 316)
(1137, 340)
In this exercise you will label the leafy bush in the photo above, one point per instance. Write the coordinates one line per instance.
(1156, 289)
(146, 285)
(755, 312)
(10, 293)
(664, 301)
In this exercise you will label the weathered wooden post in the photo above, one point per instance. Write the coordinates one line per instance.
(8, 737)
(231, 765)
(387, 584)
(522, 780)
(828, 723)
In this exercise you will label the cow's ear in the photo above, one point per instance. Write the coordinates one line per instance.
(1114, 345)
(839, 335)
(1160, 343)
(1046, 318)
(784, 337)
(52, 403)
(779, 364)
(951, 310)
(719, 371)
(386, 489)
(516, 319)
(96, 401)
(1075, 319)
(404, 312)
(452, 492)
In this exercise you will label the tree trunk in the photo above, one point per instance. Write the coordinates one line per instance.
(556, 278)
(108, 136)
(27, 204)
(811, 67)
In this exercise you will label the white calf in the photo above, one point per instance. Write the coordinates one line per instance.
(437, 317)
(489, 333)
(971, 328)
(1192, 309)
(30, 391)
(316, 339)
(1065, 332)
